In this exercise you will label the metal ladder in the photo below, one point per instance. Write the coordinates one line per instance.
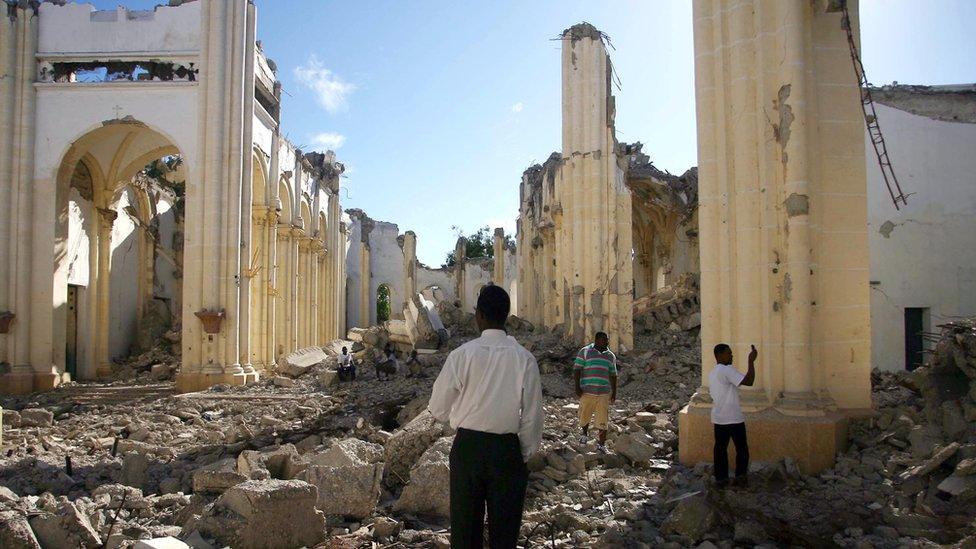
(871, 119)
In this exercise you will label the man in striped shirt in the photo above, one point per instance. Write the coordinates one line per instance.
(595, 374)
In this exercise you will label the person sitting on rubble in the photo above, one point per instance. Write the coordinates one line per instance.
(595, 379)
(347, 366)
(489, 390)
(727, 419)
(387, 363)
(414, 366)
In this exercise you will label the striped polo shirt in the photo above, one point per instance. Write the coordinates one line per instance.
(597, 369)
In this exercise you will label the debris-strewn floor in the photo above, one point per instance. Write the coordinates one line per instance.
(233, 466)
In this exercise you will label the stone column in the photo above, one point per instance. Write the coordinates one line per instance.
(460, 261)
(297, 233)
(783, 224)
(499, 251)
(106, 218)
(257, 282)
(269, 291)
(216, 200)
(595, 268)
(365, 286)
(409, 267)
(343, 281)
(22, 289)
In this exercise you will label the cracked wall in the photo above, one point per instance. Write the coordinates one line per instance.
(924, 255)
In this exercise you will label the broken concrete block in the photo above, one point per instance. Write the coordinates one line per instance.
(217, 477)
(301, 361)
(349, 491)
(160, 543)
(429, 489)
(637, 447)
(66, 528)
(7, 495)
(328, 378)
(10, 418)
(133, 473)
(265, 514)
(282, 381)
(407, 445)
(349, 452)
(36, 417)
(282, 463)
(161, 372)
(938, 458)
(961, 487)
(693, 517)
(15, 532)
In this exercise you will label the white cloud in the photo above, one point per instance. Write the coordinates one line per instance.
(330, 90)
(328, 141)
(517, 107)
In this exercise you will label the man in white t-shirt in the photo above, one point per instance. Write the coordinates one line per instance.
(727, 418)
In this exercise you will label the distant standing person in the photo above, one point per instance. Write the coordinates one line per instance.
(595, 377)
(727, 418)
(489, 390)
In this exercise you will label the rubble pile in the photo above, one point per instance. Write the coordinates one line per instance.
(301, 460)
(675, 307)
(160, 362)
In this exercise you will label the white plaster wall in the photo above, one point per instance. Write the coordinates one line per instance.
(386, 267)
(169, 108)
(478, 272)
(262, 134)
(929, 257)
(164, 283)
(79, 241)
(80, 28)
(436, 277)
(354, 248)
(124, 281)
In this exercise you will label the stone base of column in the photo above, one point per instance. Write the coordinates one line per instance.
(104, 371)
(15, 383)
(813, 442)
(197, 381)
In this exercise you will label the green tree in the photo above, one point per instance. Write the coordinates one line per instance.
(383, 306)
(481, 243)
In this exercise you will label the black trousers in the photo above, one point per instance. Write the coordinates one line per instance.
(720, 454)
(486, 470)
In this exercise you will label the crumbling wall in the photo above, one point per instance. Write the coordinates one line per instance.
(934, 163)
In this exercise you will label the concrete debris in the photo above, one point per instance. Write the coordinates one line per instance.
(362, 462)
(429, 489)
(301, 361)
(261, 514)
(677, 303)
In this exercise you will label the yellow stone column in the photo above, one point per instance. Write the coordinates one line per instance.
(106, 218)
(365, 286)
(498, 248)
(783, 225)
(18, 279)
(269, 291)
(593, 238)
(216, 203)
(409, 267)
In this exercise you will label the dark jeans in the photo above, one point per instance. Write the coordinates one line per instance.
(347, 373)
(486, 469)
(720, 454)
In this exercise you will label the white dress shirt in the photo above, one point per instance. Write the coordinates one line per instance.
(491, 384)
(723, 385)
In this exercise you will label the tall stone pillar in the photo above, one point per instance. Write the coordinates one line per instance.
(18, 281)
(216, 200)
(498, 247)
(409, 267)
(593, 240)
(103, 278)
(297, 233)
(342, 290)
(365, 285)
(460, 261)
(783, 224)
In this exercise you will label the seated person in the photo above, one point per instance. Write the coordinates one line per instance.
(347, 366)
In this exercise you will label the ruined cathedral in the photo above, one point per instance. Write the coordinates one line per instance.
(148, 190)
(185, 300)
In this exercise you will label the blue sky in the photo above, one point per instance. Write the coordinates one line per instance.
(438, 107)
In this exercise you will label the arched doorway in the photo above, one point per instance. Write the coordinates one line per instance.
(118, 247)
(384, 303)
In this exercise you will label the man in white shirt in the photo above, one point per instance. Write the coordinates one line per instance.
(727, 418)
(347, 368)
(489, 390)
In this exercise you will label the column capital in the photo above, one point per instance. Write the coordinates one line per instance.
(297, 231)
